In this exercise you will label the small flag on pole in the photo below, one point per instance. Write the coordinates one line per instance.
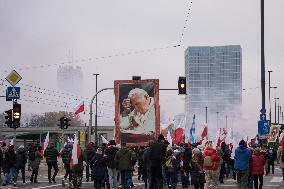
(45, 144)
(79, 108)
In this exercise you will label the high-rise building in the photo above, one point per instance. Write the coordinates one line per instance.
(70, 80)
(214, 80)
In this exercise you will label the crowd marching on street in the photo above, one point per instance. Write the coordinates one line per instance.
(158, 165)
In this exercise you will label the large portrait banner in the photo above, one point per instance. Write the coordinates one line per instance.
(137, 111)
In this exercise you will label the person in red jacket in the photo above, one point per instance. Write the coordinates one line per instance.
(210, 165)
(257, 164)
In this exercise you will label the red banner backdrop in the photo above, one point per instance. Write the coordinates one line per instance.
(137, 111)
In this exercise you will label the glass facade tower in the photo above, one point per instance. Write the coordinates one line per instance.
(214, 80)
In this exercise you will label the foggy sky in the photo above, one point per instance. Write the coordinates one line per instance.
(36, 32)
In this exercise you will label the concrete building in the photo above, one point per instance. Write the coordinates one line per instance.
(70, 80)
(214, 80)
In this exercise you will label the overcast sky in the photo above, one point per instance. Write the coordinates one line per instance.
(35, 34)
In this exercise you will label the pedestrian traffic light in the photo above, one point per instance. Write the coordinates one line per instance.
(16, 115)
(9, 118)
(182, 85)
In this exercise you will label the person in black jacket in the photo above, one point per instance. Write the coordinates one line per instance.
(66, 154)
(111, 165)
(20, 163)
(98, 166)
(157, 155)
(9, 168)
(51, 154)
(89, 153)
(187, 155)
(1, 159)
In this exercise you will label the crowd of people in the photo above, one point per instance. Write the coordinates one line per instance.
(158, 164)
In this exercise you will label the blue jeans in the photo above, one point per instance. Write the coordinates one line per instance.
(126, 179)
(174, 179)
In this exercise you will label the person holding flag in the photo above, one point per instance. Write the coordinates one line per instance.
(51, 155)
(76, 164)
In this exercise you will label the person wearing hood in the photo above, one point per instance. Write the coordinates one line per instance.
(242, 159)
(257, 164)
(89, 153)
(110, 153)
(35, 164)
(20, 163)
(125, 158)
(51, 155)
(187, 156)
(98, 165)
(66, 154)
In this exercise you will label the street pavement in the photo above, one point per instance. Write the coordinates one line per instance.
(270, 181)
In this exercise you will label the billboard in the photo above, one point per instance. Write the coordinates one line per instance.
(137, 111)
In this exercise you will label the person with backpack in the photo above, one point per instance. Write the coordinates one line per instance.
(35, 165)
(51, 155)
(98, 165)
(210, 166)
(242, 159)
(124, 158)
(196, 171)
(110, 153)
(9, 169)
(280, 158)
(66, 154)
(271, 156)
(257, 166)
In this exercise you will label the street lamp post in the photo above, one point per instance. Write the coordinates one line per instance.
(278, 106)
(96, 113)
(206, 114)
(269, 95)
(275, 109)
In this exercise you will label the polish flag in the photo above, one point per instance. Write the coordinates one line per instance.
(45, 144)
(76, 153)
(79, 108)
(204, 133)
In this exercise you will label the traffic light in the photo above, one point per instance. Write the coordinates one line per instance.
(64, 122)
(16, 115)
(9, 118)
(182, 85)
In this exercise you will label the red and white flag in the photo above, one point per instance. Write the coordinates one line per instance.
(76, 153)
(12, 142)
(79, 108)
(45, 144)
(104, 140)
(204, 134)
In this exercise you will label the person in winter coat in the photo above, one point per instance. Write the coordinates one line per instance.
(77, 170)
(196, 171)
(157, 155)
(280, 158)
(66, 154)
(35, 165)
(98, 166)
(210, 166)
(1, 160)
(174, 168)
(242, 158)
(187, 155)
(21, 161)
(9, 168)
(257, 164)
(110, 153)
(89, 153)
(271, 156)
(125, 159)
(51, 155)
